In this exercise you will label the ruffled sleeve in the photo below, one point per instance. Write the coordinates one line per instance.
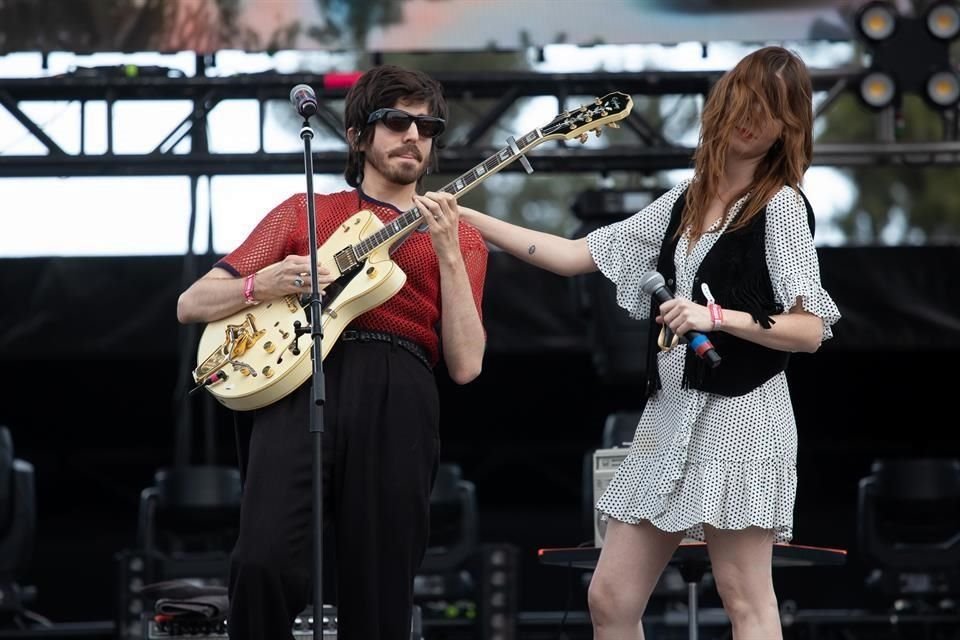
(792, 259)
(628, 249)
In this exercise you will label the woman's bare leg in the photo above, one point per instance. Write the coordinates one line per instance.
(741, 562)
(630, 564)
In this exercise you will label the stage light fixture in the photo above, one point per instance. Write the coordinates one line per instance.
(878, 89)
(909, 54)
(943, 20)
(908, 531)
(943, 89)
(877, 20)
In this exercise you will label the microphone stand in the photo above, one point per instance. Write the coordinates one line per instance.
(317, 392)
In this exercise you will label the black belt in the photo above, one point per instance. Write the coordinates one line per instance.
(354, 335)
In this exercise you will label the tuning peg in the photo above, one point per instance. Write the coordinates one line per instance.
(583, 137)
(613, 125)
(598, 132)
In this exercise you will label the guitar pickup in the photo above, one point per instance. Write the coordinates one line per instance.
(345, 260)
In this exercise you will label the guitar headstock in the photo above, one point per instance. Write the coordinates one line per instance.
(605, 111)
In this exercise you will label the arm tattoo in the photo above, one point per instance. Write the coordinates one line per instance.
(532, 249)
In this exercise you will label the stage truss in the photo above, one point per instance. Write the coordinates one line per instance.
(487, 98)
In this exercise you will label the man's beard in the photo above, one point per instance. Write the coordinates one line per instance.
(402, 174)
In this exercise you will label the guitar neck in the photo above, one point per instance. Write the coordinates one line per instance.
(392, 232)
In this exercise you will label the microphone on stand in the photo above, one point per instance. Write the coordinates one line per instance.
(652, 283)
(304, 100)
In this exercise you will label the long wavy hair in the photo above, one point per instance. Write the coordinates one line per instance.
(770, 83)
(379, 88)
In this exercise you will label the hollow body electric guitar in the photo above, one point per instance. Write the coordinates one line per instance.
(254, 357)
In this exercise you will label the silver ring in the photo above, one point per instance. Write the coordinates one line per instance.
(298, 282)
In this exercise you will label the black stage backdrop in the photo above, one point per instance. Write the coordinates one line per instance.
(90, 353)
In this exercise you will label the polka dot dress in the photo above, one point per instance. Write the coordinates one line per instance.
(698, 457)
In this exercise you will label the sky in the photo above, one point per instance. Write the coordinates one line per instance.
(103, 216)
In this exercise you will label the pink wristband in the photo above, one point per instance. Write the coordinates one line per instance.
(716, 314)
(248, 290)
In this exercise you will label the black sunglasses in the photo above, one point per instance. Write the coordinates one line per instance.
(399, 121)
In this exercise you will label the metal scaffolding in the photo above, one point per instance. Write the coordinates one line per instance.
(645, 151)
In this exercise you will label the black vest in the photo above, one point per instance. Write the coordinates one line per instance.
(735, 268)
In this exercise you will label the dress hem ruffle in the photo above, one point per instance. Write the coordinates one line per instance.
(754, 493)
(694, 531)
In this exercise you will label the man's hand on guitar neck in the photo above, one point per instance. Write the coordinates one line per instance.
(461, 331)
(442, 216)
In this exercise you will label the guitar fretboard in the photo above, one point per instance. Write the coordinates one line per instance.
(456, 188)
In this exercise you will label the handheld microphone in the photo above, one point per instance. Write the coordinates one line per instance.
(652, 283)
(304, 100)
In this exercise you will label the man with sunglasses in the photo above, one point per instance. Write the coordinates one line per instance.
(381, 417)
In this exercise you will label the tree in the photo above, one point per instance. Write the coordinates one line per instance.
(130, 25)
(902, 203)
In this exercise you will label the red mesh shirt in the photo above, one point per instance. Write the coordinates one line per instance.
(414, 312)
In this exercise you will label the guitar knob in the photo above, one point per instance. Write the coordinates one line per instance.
(269, 347)
(245, 371)
(268, 372)
(371, 272)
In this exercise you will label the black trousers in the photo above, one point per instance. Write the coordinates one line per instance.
(381, 451)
